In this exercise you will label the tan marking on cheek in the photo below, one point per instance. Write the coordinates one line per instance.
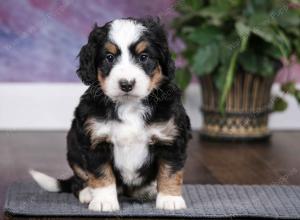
(167, 182)
(111, 48)
(141, 46)
(156, 78)
(163, 132)
(107, 176)
(101, 80)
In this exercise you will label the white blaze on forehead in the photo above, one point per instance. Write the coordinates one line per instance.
(124, 32)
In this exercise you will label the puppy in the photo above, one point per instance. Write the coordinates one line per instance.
(130, 130)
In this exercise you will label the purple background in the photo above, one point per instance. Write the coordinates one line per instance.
(40, 39)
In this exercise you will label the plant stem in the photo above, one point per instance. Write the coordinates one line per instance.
(228, 80)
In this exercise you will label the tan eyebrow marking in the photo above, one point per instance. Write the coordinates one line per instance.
(111, 48)
(141, 46)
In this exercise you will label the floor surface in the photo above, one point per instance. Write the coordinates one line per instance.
(276, 161)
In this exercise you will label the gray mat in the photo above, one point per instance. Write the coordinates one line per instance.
(202, 201)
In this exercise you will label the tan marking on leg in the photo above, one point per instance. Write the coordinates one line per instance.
(169, 183)
(156, 78)
(141, 46)
(111, 48)
(80, 172)
(107, 176)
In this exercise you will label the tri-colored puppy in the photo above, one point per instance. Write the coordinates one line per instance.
(130, 130)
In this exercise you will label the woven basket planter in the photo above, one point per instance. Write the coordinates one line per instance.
(246, 111)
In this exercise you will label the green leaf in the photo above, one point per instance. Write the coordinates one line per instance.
(195, 4)
(296, 45)
(187, 6)
(255, 63)
(265, 66)
(289, 87)
(206, 59)
(182, 78)
(259, 20)
(227, 48)
(297, 96)
(273, 52)
(188, 54)
(205, 35)
(279, 104)
(215, 13)
(282, 39)
(266, 34)
(294, 30)
(287, 20)
(270, 36)
(248, 61)
(259, 5)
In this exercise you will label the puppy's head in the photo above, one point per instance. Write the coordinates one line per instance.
(128, 58)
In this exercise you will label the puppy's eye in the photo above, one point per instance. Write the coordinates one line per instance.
(110, 58)
(143, 57)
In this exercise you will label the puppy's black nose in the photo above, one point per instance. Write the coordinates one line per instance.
(125, 85)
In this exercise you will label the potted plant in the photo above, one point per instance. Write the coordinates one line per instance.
(236, 48)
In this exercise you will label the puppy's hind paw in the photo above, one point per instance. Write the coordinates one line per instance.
(169, 202)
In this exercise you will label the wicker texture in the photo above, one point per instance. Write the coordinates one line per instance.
(246, 110)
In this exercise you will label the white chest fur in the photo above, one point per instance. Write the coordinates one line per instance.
(130, 138)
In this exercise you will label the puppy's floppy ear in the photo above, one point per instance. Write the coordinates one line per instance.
(88, 64)
(157, 36)
(169, 65)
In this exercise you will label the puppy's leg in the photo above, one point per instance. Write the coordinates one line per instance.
(99, 188)
(103, 191)
(169, 184)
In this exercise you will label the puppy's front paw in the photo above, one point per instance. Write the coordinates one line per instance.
(105, 205)
(85, 195)
(169, 202)
(104, 199)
